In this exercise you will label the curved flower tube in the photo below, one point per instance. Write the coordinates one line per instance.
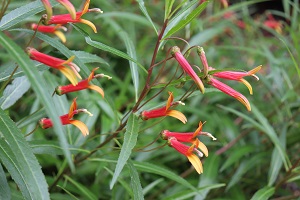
(56, 63)
(82, 85)
(67, 119)
(165, 111)
(67, 18)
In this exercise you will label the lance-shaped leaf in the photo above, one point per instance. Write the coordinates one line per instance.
(130, 138)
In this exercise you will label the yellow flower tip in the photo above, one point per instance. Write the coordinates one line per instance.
(90, 24)
(170, 100)
(178, 115)
(69, 74)
(85, 7)
(201, 87)
(254, 71)
(247, 85)
(201, 146)
(244, 101)
(195, 161)
(61, 36)
(48, 8)
(97, 89)
(72, 108)
(81, 126)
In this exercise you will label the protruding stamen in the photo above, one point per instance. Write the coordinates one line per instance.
(209, 135)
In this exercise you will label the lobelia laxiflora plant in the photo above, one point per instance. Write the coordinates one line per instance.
(56, 63)
(67, 18)
(68, 119)
(82, 85)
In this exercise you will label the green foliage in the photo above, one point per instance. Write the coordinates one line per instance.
(256, 154)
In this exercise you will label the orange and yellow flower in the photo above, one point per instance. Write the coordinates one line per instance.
(67, 18)
(56, 63)
(84, 84)
(68, 119)
(165, 111)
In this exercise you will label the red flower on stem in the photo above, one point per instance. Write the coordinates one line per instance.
(165, 111)
(56, 63)
(67, 18)
(187, 67)
(68, 119)
(51, 29)
(187, 136)
(82, 85)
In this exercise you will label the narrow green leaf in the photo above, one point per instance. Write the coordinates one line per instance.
(135, 182)
(187, 20)
(168, 8)
(264, 193)
(237, 155)
(82, 189)
(188, 194)
(104, 47)
(130, 138)
(276, 161)
(144, 10)
(38, 86)
(19, 14)
(26, 161)
(86, 57)
(10, 162)
(4, 188)
(14, 92)
(263, 126)
(155, 169)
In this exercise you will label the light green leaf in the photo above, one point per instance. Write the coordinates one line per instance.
(144, 10)
(130, 138)
(81, 189)
(264, 193)
(187, 20)
(19, 14)
(20, 161)
(4, 188)
(14, 92)
(38, 86)
(135, 182)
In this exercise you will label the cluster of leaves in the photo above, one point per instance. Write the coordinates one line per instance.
(256, 153)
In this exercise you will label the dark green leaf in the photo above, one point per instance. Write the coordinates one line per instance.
(264, 193)
(135, 182)
(144, 10)
(4, 188)
(21, 162)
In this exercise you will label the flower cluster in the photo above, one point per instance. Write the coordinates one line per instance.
(207, 76)
(66, 67)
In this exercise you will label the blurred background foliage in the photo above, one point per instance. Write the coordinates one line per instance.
(243, 162)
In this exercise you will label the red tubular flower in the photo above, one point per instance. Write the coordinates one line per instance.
(66, 18)
(187, 136)
(187, 67)
(165, 111)
(57, 64)
(188, 152)
(238, 76)
(231, 92)
(272, 23)
(85, 84)
(51, 29)
(67, 119)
